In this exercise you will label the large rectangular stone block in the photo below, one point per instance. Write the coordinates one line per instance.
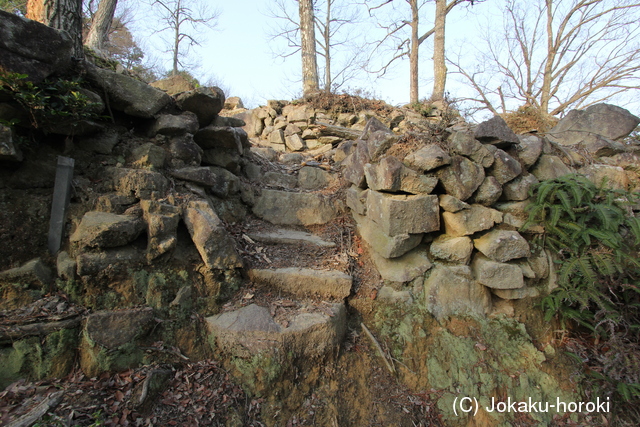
(404, 214)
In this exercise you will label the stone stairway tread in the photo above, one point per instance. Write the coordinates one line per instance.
(305, 281)
(285, 236)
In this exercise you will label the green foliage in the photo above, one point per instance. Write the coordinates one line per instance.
(49, 103)
(424, 108)
(596, 236)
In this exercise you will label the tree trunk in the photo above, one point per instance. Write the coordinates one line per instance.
(64, 15)
(327, 49)
(99, 32)
(547, 76)
(176, 38)
(439, 64)
(308, 43)
(413, 54)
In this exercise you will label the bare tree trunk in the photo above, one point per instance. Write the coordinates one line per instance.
(99, 32)
(64, 15)
(176, 38)
(413, 54)
(547, 77)
(327, 44)
(439, 65)
(308, 43)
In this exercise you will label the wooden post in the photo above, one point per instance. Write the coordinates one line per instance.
(60, 203)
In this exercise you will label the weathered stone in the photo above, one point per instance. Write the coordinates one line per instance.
(227, 158)
(515, 214)
(219, 181)
(148, 156)
(276, 136)
(464, 144)
(162, 226)
(281, 207)
(222, 137)
(184, 151)
(496, 275)
(385, 245)
(289, 237)
(228, 121)
(233, 102)
(278, 179)
(452, 249)
(9, 151)
(404, 214)
(391, 175)
(127, 94)
(355, 163)
(300, 113)
(356, 200)
(524, 292)
(174, 85)
(305, 281)
(469, 221)
(265, 152)
(112, 329)
(606, 176)
(210, 237)
(34, 272)
(343, 150)
(114, 203)
(31, 48)
(488, 193)
(205, 102)
(175, 125)
(504, 168)
(529, 149)
(91, 263)
(329, 140)
(373, 125)
(451, 204)
(495, 131)
(451, 290)
(292, 129)
(518, 188)
(404, 268)
(106, 230)
(102, 143)
(602, 119)
(66, 266)
(461, 178)
(502, 245)
(549, 167)
(312, 178)
(291, 158)
(428, 158)
(294, 142)
(391, 296)
(379, 142)
(143, 184)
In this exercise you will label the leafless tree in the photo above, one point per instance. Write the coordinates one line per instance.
(556, 55)
(403, 38)
(337, 50)
(65, 15)
(308, 48)
(181, 18)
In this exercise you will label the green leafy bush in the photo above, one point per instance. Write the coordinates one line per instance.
(596, 236)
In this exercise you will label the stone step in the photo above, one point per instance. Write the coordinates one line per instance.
(305, 281)
(293, 208)
(252, 330)
(289, 237)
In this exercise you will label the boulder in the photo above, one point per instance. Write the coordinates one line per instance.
(162, 226)
(502, 245)
(106, 230)
(451, 204)
(379, 142)
(464, 144)
(305, 281)
(31, 48)
(228, 121)
(427, 158)
(356, 200)
(299, 113)
(470, 221)
(227, 158)
(451, 290)
(312, 178)
(404, 214)
(391, 175)
(515, 214)
(215, 245)
(148, 156)
(386, 246)
(114, 203)
(233, 103)
(113, 329)
(141, 183)
(205, 102)
(66, 266)
(281, 207)
(92, 263)
(518, 188)
(278, 179)
(529, 149)
(183, 151)
(605, 176)
(174, 85)
(294, 142)
(34, 272)
(175, 125)
(452, 249)
(496, 275)
(127, 94)
(606, 120)
(222, 137)
(102, 143)
(354, 164)
(219, 181)
(504, 168)
(549, 167)
(9, 150)
(404, 268)
(488, 193)
(495, 131)
(461, 178)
